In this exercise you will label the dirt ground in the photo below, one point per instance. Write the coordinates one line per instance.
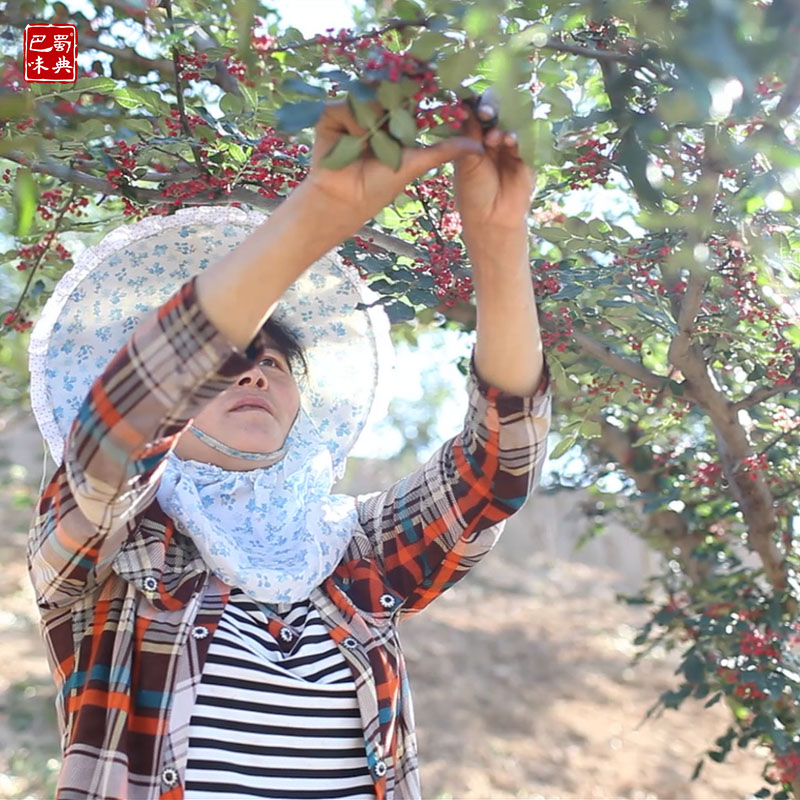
(521, 678)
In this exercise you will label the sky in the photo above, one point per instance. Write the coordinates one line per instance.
(314, 16)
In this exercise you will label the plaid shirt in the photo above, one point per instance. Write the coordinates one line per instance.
(129, 608)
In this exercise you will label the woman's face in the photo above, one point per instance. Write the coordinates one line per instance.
(251, 428)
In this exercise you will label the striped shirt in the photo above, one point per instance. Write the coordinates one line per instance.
(276, 714)
(121, 592)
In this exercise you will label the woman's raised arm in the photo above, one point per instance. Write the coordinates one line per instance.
(240, 292)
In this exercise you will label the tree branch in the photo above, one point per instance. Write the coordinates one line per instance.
(176, 68)
(764, 393)
(618, 363)
(143, 196)
(591, 52)
(424, 22)
(665, 528)
(43, 252)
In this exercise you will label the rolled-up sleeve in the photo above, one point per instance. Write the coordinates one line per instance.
(430, 528)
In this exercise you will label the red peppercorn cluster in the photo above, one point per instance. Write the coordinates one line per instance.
(31, 254)
(371, 55)
(51, 202)
(238, 69)
(769, 87)
(262, 44)
(344, 44)
(175, 126)
(643, 263)
(760, 644)
(545, 282)
(751, 306)
(16, 321)
(599, 33)
(747, 690)
(592, 165)
(706, 474)
(11, 77)
(190, 65)
(441, 257)
(275, 165)
(606, 387)
(125, 160)
(787, 766)
(561, 336)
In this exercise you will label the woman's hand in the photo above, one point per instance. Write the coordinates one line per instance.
(493, 189)
(360, 190)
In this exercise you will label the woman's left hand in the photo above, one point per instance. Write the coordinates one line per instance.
(493, 190)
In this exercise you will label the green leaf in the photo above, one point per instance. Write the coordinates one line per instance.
(25, 200)
(99, 85)
(386, 149)
(382, 286)
(390, 94)
(398, 311)
(133, 97)
(554, 235)
(231, 103)
(346, 150)
(293, 117)
(402, 126)
(698, 768)
(250, 97)
(536, 142)
(761, 793)
(565, 444)
(365, 114)
(423, 297)
(576, 226)
(591, 429)
(453, 68)
(560, 105)
(427, 44)
(299, 86)
(16, 105)
(407, 9)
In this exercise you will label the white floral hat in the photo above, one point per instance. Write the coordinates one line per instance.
(135, 268)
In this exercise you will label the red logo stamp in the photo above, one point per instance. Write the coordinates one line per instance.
(51, 53)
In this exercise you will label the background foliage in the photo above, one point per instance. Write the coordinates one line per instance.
(663, 248)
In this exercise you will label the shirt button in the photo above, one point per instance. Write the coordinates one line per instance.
(200, 632)
(350, 643)
(380, 768)
(150, 584)
(387, 600)
(170, 776)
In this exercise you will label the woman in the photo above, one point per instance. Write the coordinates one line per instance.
(218, 624)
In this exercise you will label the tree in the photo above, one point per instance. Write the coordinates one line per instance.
(668, 294)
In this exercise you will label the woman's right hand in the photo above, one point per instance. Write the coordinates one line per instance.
(361, 189)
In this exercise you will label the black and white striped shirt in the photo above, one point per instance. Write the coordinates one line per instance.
(276, 713)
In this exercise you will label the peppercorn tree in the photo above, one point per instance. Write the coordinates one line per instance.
(663, 248)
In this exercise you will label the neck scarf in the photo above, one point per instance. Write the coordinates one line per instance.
(275, 532)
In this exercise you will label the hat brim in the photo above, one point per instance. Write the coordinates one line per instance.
(96, 306)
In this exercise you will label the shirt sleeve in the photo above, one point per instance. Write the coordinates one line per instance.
(133, 415)
(430, 528)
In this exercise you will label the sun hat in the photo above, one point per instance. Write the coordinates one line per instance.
(97, 304)
(276, 532)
